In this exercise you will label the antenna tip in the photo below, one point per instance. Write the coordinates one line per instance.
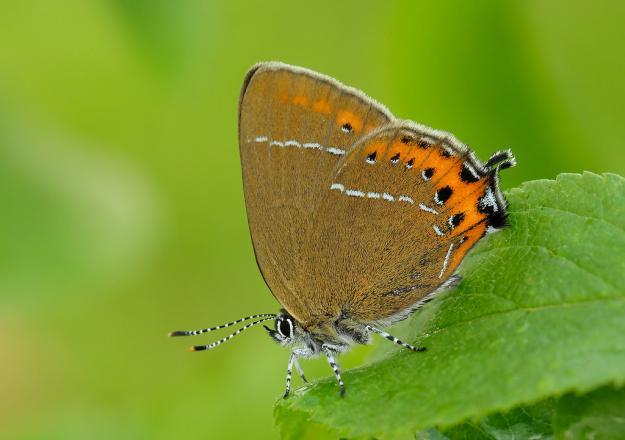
(197, 348)
(177, 333)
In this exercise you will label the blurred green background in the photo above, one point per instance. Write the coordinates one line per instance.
(122, 212)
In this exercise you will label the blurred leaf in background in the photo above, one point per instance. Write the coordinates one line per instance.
(122, 206)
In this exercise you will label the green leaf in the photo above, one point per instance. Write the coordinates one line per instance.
(599, 414)
(526, 422)
(540, 313)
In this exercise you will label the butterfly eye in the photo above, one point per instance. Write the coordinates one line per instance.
(285, 327)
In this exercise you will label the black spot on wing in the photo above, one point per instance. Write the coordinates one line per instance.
(467, 175)
(443, 194)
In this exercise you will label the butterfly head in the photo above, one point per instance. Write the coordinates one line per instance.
(286, 330)
(283, 331)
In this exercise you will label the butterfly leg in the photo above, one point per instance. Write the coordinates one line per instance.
(393, 339)
(336, 368)
(289, 370)
(299, 369)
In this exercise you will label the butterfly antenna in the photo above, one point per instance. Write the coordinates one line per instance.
(212, 329)
(230, 336)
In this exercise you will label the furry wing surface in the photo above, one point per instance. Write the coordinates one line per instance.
(395, 221)
(294, 127)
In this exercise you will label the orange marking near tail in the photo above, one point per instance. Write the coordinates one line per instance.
(396, 148)
(472, 215)
(444, 168)
(411, 151)
(472, 237)
(433, 160)
(378, 146)
(465, 197)
(450, 176)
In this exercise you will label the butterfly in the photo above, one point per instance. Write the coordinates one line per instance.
(357, 218)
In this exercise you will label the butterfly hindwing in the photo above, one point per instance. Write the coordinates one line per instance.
(398, 216)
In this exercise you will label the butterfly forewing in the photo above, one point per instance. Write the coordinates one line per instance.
(294, 128)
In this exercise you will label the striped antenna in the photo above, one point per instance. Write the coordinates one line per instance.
(212, 329)
(230, 336)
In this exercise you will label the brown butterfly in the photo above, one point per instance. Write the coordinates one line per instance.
(357, 218)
